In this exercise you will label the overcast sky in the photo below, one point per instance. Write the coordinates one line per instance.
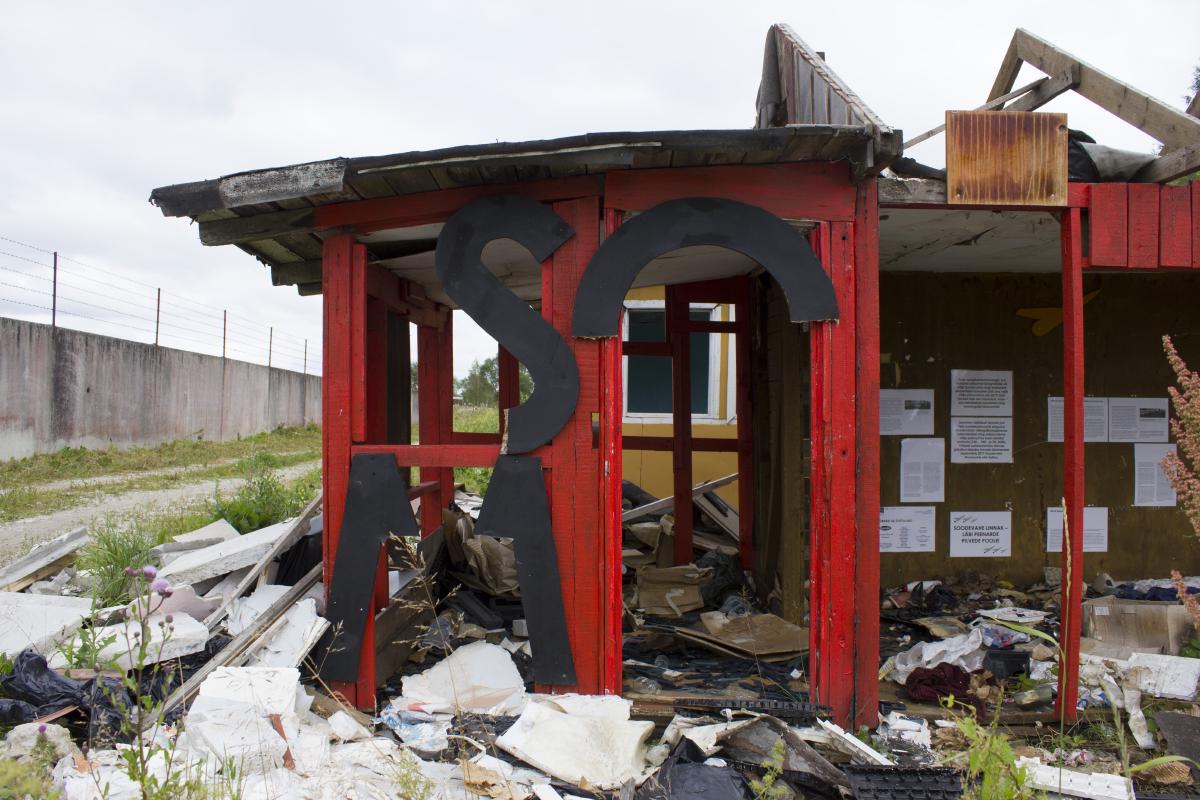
(103, 102)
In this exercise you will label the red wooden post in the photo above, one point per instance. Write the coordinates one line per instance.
(834, 484)
(432, 406)
(584, 543)
(1071, 601)
(680, 339)
(866, 589)
(611, 409)
(340, 253)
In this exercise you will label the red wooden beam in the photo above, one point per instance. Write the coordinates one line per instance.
(1071, 601)
(681, 421)
(611, 409)
(708, 326)
(664, 443)
(1195, 187)
(472, 437)
(1143, 225)
(827, 192)
(434, 403)
(358, 349)
(1108, 229)
(1175, 226)
(424, 208)
(403, 297)
(866, 588)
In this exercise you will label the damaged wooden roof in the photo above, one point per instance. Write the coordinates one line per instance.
(269, 212)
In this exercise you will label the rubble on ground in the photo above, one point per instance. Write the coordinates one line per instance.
(224, 641)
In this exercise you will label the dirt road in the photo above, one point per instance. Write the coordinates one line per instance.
(17, 537)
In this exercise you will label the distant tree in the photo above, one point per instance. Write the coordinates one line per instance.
(1195, 90)
(481, 386)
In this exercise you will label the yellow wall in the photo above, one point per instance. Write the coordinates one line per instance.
(652, 470)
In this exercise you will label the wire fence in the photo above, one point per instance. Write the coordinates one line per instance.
(40, 285)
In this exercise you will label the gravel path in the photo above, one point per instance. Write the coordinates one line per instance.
(17, 537)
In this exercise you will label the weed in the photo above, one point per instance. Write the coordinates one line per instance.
(767, 788)
(992, 769)
(113, 547)
(25, 780)
(475, 419)
(263, 500)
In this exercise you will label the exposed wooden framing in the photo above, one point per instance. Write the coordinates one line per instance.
(611, 507)
(1073, 465)
(928, 193)
(296, 272)
(666, 443)
(1172, 127)
(1047, 91)
(1171, 165)
(403, 297)
(988, 106)
(440, 456)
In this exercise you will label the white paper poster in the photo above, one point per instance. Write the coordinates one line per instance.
(1137, 419)
(981, 440)
(1095, 419)
(922, 470)
(906, 412)
(981, 393)
(1095, 529)
(906, 529)
(1150, 484)
(980, 534)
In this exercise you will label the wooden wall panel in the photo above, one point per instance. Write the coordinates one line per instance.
(1143, 225)
(1175, 226)
(932, 323)
(1006, 158)
(1108, 225)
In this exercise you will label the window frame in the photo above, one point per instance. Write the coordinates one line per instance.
(713, 416)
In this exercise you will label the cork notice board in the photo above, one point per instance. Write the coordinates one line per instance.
(1006, 158)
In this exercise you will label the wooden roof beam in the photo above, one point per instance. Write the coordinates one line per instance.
(1172, 127)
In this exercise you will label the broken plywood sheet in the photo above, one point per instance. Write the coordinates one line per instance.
(750, 635)
(223, 558)
(287, 642)
(38, 621)
(185, 636)
(673, 591)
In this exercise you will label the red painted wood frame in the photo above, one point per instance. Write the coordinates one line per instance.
(1071, 601)
(734, 292)
(584, 471)
(844, 658)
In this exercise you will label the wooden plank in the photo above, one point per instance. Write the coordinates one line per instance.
(1073, 464)
(1143, 226)
(295, 530)
(1044, 92)
(867, 559)
(1165, 123)
(1006, 158)
(296, 272)
(667, 503)
(358, 344)
(1010, 67)
(1108, 228)
(243, 643)
(1171, 165)
(1175, 226)
(612, 367)
(997, 103)
(828, 192)
(50, 555)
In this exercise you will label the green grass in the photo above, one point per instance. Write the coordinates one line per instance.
(475, 419)
(283, 447)
(121, 542)
(72, 463)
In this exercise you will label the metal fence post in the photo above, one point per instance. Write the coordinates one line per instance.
(224, 332)
(305, 368)
(270, 344)
(54, 294)
(157, 315)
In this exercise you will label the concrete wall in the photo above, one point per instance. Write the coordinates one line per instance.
(63, 388)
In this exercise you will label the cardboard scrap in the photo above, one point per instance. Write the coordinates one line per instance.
(764, 636)
(1138, 624)
(673, 591)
